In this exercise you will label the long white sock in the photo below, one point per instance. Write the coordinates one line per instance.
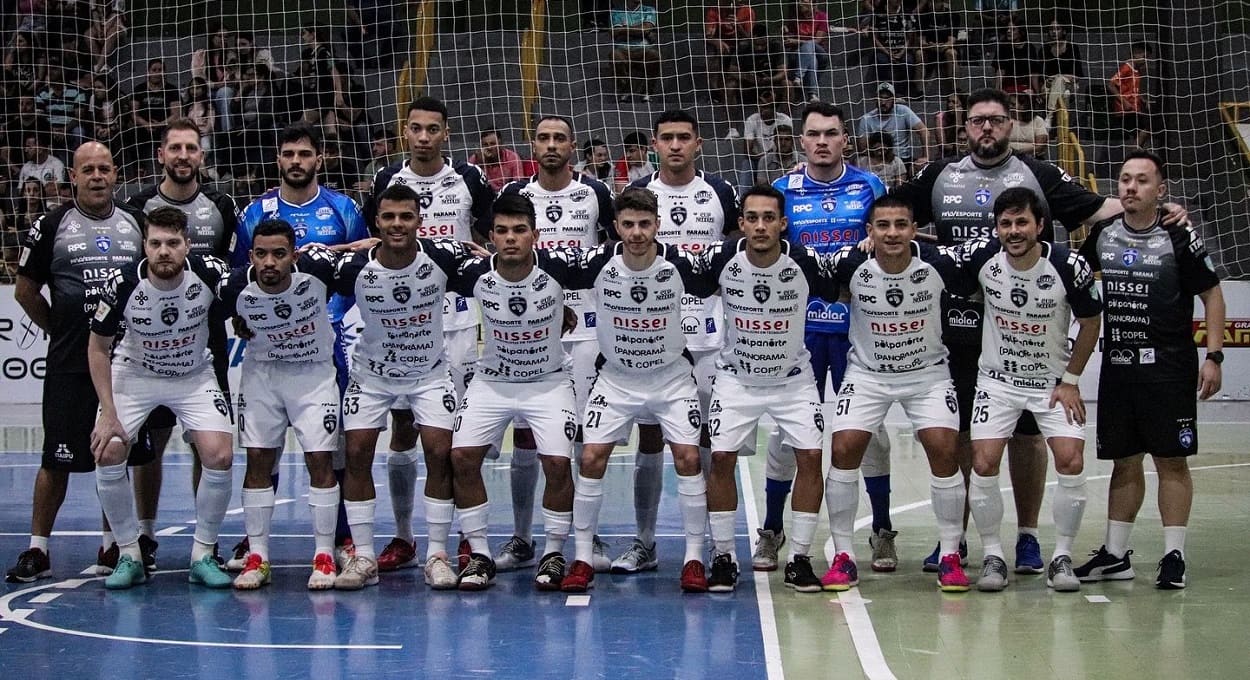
(948, 497)
(587, 502)
(802, 531)
(524, 476)
(324, 504)
(473, 523)
(648, 487)
(1117, 537)
(118, 502)
(1068, 508)
(211, 501)
(692, 499)
(841, 504)
(723, 532)
(401, 477)
(41, 542)
(1174, 539)
(438, 515)
(556, 527)
(985, 500)
(257, 518)
(360, 516)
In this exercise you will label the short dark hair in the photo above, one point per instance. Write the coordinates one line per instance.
(635, 139)
(676, 116)
(380, 133)
(766, 190)
(400, 192)
(167, 218)
(589, 147)
(275, 227)
(180, 124)
(555, 116)
(821, 108)
(989, 94)
(489, 131)
(155, 60)
(637, 198)
(516, 205)
(246, 35)
(890, 201)
(427, 103)
(886, 140)
(1019, 198)
(300, 131)
(1152, 157)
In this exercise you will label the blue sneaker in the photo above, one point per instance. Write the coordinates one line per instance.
(931, 562)
(127, 574)
(1028, 555)
(206, 572)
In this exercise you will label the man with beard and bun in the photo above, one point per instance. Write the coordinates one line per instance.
(288, 377)
(72, 251)
(957, 196)
(211, 227)
(455, 203)
(645, 369)
(399, 361)
(573, 211)
(164, 303)
(696, 210)
(764, 369)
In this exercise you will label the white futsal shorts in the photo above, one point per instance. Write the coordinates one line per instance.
(275, 393)
(735, 411)
(369, 399)
(546, 406)
(928, 398)
(997, 406)
(616, 402)
(196, 400)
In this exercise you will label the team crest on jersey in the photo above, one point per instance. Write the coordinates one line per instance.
(570, 429)
(1186, 437)
(982, 196)
(1019, 297)
(103, 243)
(638, 293)
(193, 291)
(330, 422)
(401, 294)
(952, 404)
(283, 310)
(424, 271)
(761, 292)
(694, 418)
(1129, 258)
(517, 305)
(678, 215)
(894, 296)
(828, 203)
(787, 275)
(219, 403)
(169, 315)
(663, 275)
(426, 200)
(1045, 282)
(449, 402)
(554, 212)
(541, 282)
(918, 276)
(819, 419)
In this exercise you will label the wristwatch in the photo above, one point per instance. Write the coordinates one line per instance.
(1217, 356)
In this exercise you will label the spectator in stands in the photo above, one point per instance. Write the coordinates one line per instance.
(1017, 63)
(153, 103)
(245, 47)
(252, 141)
(596, 14)
(20, 70)
(107, 28)
(31, 205)
(63, 105)
(948, 122)
(67, 23)
(634, 164)
(910, 134)
(17, 127)
(1134, 103)
(726, 25)
(11, 239)
(501, 164)
(879, 159)
(104, 111)
(805, 35)
(381, 154)
(209, 63)
(197, 107)
(40, 164)
(1029, 134)
(781, 158)
(324, 78)
(895, 37)
(758, 137)
(635, 54)
(939, 37)
(1062, 67)
(762, 68)
(338, 172)
(596, 161)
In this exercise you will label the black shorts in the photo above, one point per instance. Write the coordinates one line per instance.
(963, 362)
(69, 410)
(1156, 418)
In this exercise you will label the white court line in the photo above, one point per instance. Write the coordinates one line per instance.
(577, 601)
(1097, 599)
(171, 531)
(871, 658)
(44, 598)
(3, 629)
(276, 503)
(72, 582)
(763, 592)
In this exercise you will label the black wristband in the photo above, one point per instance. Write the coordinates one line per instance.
(1217, 356)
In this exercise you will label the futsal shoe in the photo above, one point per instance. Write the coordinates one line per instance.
(993, 575)
(884, 556)
(951, 576)
(360, 572)
(767, 547)
(800, 577)
(599, 557)
(1059, 575)
(206, 572)
(1171, 572)
(581, 577)
(238, 555)
(343, 554)
(693, 577)
(550, 572)
(637, 558)
(1103, 566)
(398, 554)
(32, 565)
(479, 574)
(724, 576)
(438, 573)
(842, 574)
(323, 573)
(517, 553)
(931, 562)
(1028, 555)
(106, 560)
(256, 574)
(147, 548)
(126, 574)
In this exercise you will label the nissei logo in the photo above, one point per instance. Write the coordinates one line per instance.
(765, 325)
(653, 324)
(896, 326)
(1016, 326)
(521, 336)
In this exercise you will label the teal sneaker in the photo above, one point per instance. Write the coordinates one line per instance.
(206, 572)
(127, 574)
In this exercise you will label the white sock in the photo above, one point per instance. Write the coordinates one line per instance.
(648, 487)
(587, 502)
(1027, 531)
(211, 501)
(841, 504)
(106, 539)
(360, 515)
(985, 500)
(723, 532)
(692, 499)
(118, 502)
(1117, 537)
(1068, 508)
(324, 504)
(524, 476)
(556, 527)
(948, 496)
(473, 523)
(257, 518)
(147, 527)
(438, 515)
(401, 477)
(802, 530)
(1174, 539)
(39, 542)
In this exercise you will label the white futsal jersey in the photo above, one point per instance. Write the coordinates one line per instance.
(290, 326)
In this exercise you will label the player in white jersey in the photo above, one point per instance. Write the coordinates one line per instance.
(399, 361)
(522, 375)
(696, 210)
(896, 356)
(288, 377)
(764, 369)
(645, 369)
(455, 203)
(1032, 290)
(573, 211)
(165, 302)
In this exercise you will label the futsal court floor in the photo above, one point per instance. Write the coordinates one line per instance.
(892, 626)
